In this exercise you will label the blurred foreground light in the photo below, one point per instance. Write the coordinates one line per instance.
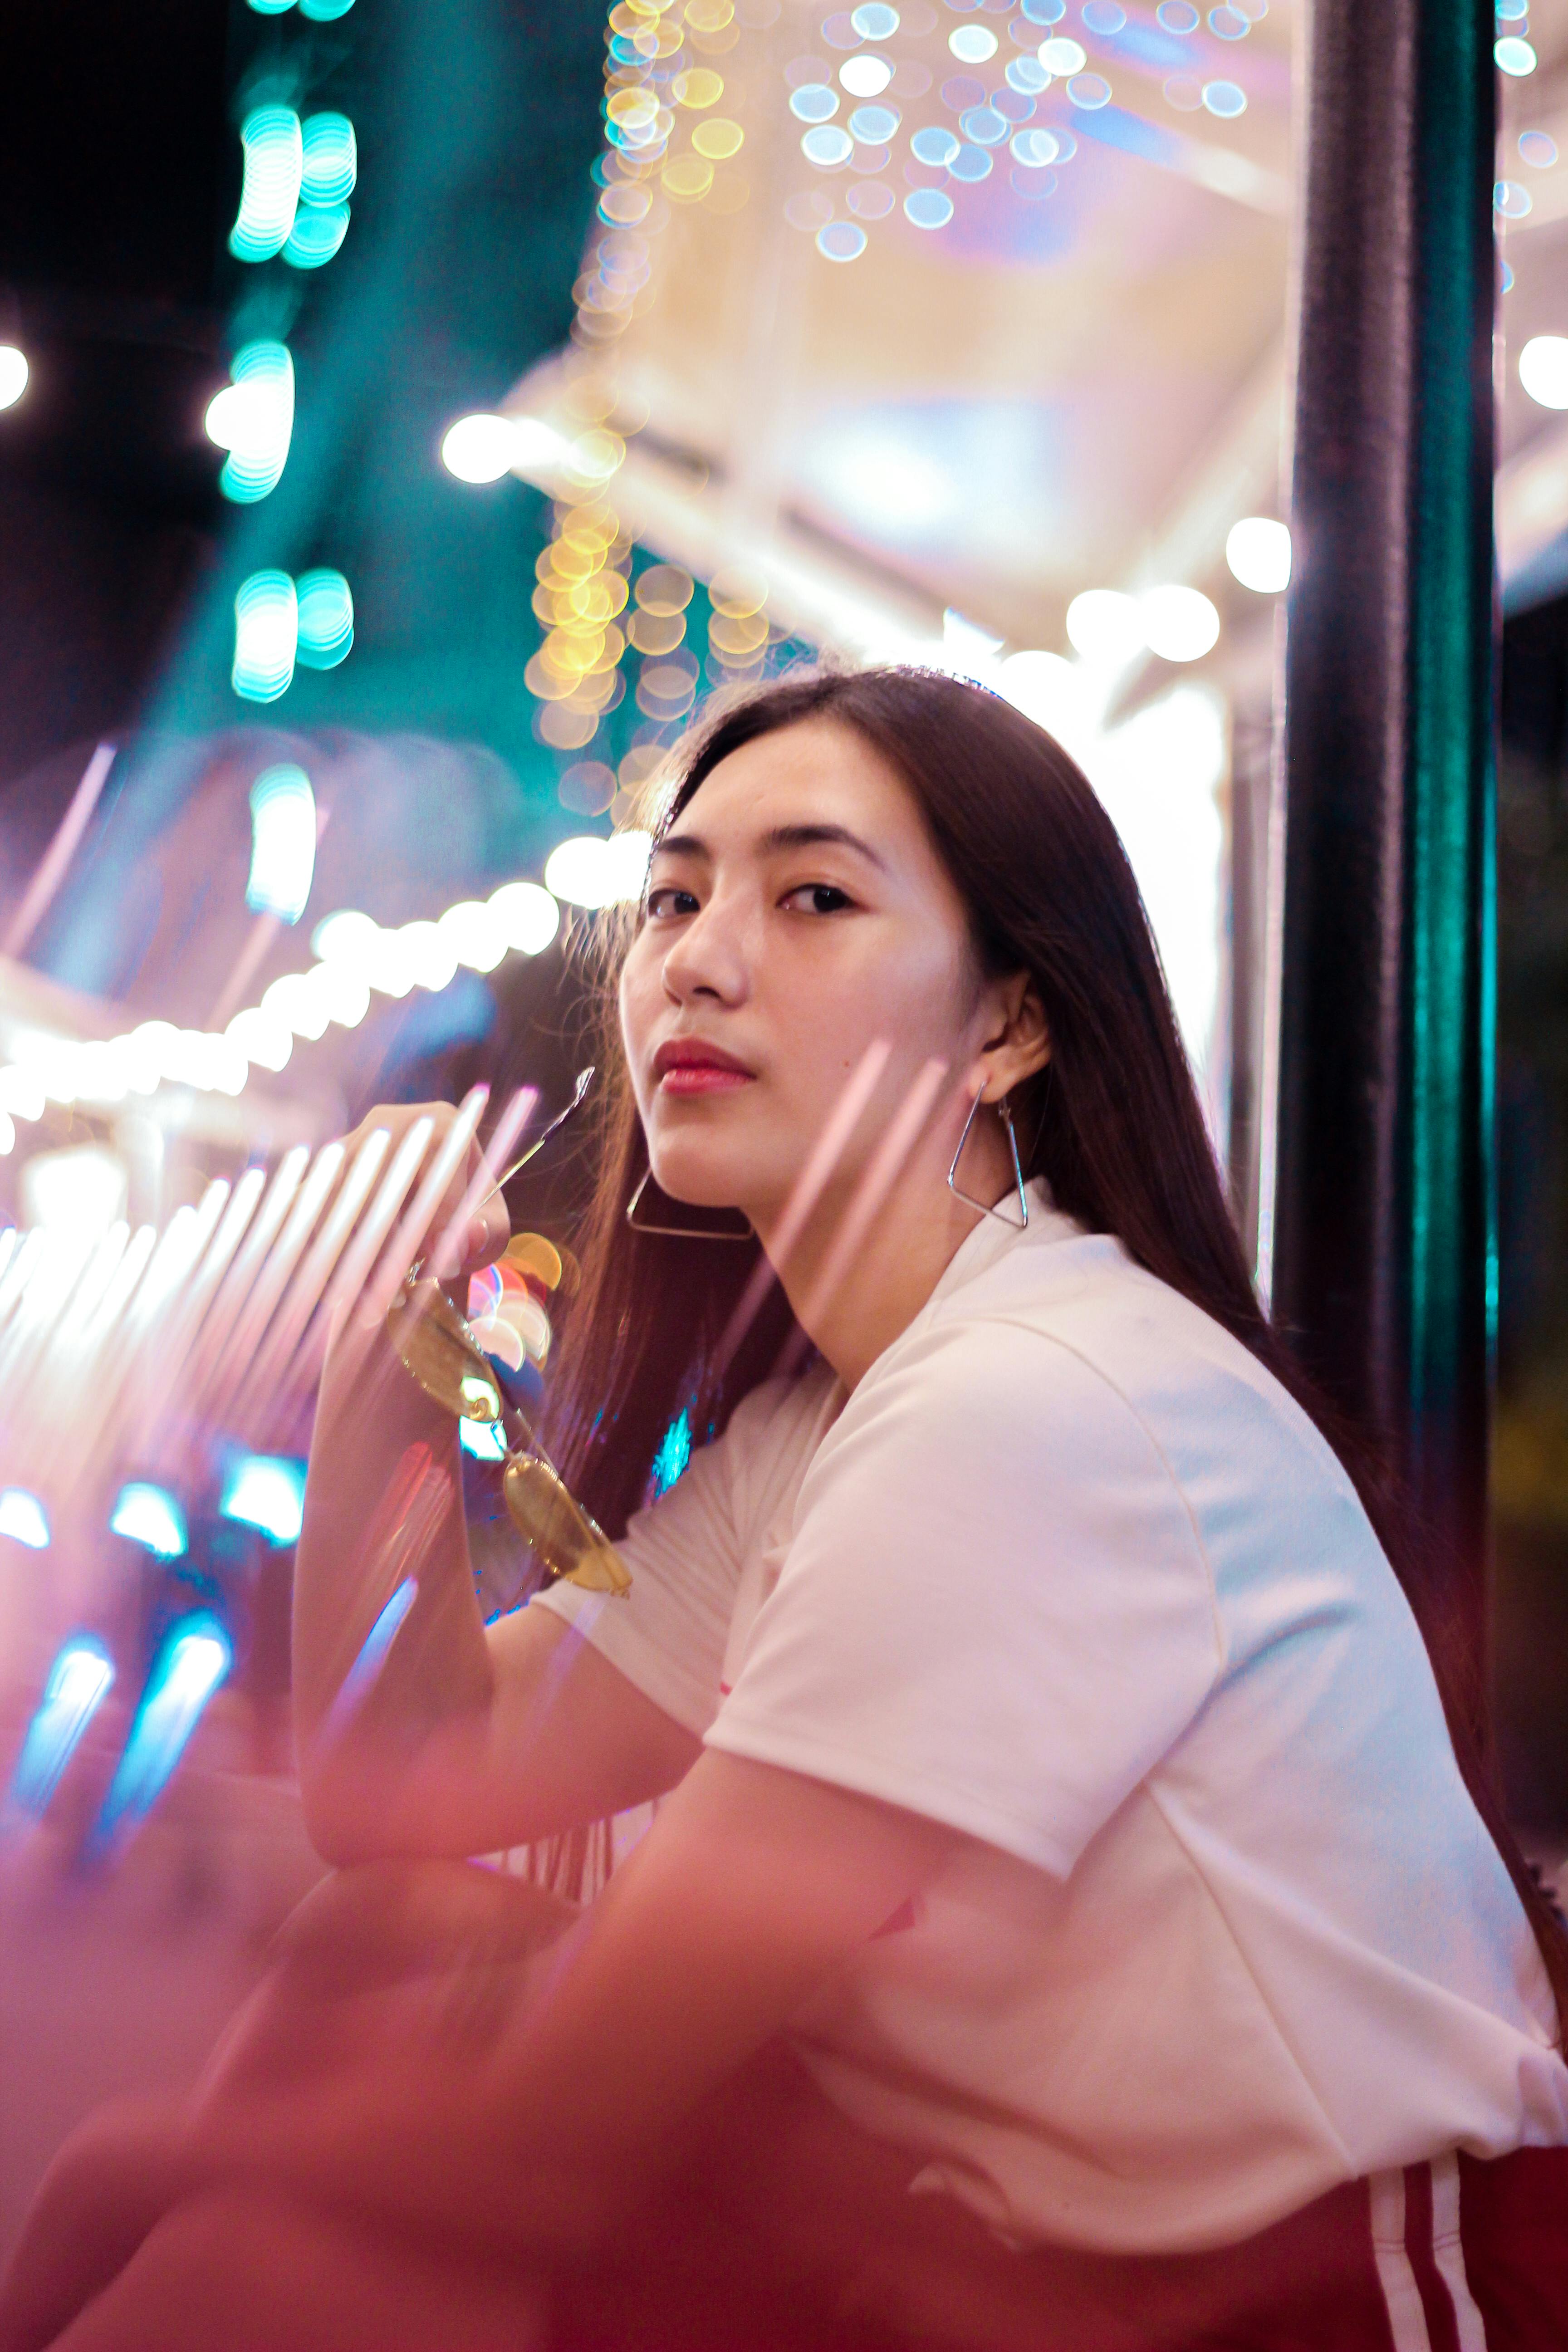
(282, 843)
(1543, 369)
(529, 915)
(1045, 689)
(326, 619)
(79, 1681)
(1105, 626)
(260, 1038)
(253, 419)
(270, 193)
(14, 372)
(80, 1192)
(194, 1661)
(318, 232)
(265, 637)
(865, 77)
(328, 159)
(590, 872)
(267, 1491)
(150, 1516)
(23, 1519)
(1514, 56)
(1257, 550)
(1180, 623)
(479, 448)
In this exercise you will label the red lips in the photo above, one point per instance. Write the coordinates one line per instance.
(689, 1066)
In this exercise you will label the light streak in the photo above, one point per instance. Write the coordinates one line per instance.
(273, 1277)
(807, 1190)
(51, 869)
(449, 1249)
(291, 1317)
(79, 1681)
(194, 1661)
(362, 1675)
(349, 1278)
(881, 1172)
(237, 1283)
(406, 1241)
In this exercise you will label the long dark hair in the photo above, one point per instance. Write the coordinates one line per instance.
(1117, 1130)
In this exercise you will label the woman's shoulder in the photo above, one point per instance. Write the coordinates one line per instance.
(1073, 1347)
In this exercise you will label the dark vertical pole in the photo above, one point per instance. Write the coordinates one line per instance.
(1384, 1250)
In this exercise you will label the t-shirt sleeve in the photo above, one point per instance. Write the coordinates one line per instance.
(668, 1635)
(996, 1610)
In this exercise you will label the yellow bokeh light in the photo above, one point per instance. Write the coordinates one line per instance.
(699, 86)
(737, 638)
(708, 16)
(718, 139)
(656, 633)
(664, 589)
(737, 595)
(687, 178)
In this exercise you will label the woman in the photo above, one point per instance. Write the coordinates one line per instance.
(1061, 1821)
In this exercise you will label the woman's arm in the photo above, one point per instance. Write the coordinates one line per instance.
(754, 1889)
(468, 1738)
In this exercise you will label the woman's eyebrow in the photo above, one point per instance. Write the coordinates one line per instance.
(816, 836)
(781, 837)
(682, 844)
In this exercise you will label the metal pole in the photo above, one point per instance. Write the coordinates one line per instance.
(1384, 1254)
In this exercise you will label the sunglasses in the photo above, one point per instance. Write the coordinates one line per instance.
(434, 1342)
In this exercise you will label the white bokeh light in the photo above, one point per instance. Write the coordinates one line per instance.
(1106, 627)
(14, 373)
(1543, 369)
(1257, 550)
(1180, 623)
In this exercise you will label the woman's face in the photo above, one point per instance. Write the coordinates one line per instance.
(796, 913)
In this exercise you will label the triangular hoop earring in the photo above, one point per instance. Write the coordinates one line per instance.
(1020, 1221)
(682, 1232)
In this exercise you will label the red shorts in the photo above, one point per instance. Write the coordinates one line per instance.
(789, 2230)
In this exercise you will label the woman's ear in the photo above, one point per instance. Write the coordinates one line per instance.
(1020, 1041)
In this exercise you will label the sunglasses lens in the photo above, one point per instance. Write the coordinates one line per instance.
(566, 1542)
(434, 1343)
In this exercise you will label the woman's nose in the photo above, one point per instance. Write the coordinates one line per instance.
(710, 959)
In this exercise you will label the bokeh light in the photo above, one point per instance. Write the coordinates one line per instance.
(273, 154)
(1514, 56)
(1105, 626)
(151, 1516)
(24, 1518)
(265, 637)
(326, 619)
(253, 419)
(972, 43)
(283, 843)
(479, 448)
(866, 76)
(1543, 369)
(14, 373)
(1179, 624)
(1258, 550)
(328, 159)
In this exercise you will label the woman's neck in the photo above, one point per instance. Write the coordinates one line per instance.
(853, 1302)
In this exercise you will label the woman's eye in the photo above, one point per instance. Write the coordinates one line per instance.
(818, 899)
(667, 900)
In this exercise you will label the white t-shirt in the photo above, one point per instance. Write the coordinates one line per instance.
(1071, 1573)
